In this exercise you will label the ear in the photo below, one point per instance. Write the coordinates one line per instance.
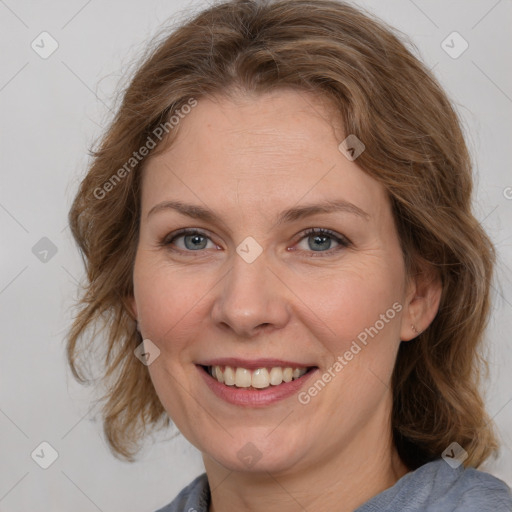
(131, 306)
(422, 303)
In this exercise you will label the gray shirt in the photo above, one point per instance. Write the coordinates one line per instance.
(434, 487)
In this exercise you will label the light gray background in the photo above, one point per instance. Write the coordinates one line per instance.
(53, 109)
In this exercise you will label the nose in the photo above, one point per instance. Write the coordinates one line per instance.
(251, 299)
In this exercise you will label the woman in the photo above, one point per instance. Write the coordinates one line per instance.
(278, 236)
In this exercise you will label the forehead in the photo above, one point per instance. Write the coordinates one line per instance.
(264, 151)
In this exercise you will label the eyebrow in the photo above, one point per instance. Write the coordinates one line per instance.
(290, 215)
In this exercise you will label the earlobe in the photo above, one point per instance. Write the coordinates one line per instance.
(131, 306)
(415, 329)
(422, 304)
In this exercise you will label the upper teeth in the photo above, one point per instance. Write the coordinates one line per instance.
(259, 378)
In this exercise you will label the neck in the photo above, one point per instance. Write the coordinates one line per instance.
(342, 481)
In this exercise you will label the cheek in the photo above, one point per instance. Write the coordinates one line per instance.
(348, 302)
(170, 310)
(168, 301)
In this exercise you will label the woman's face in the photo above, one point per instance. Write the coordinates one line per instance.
(252, 289)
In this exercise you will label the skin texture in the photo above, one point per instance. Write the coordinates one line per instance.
(248, 158)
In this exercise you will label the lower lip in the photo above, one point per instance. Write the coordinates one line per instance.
(252, 397)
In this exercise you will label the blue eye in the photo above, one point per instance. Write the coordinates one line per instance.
(193, 240)
(319, 240)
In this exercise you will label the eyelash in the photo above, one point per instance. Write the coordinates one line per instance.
(341, 240)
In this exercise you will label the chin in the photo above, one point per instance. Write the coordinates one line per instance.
(261, 453)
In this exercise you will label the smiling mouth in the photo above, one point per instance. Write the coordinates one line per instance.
(259, 378)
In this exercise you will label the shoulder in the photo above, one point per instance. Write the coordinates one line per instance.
(437, 487)
(195, 497)
(461, 489)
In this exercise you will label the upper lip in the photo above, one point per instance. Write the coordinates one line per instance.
(252, 364)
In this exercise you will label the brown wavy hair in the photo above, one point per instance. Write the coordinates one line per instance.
(414, 146)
